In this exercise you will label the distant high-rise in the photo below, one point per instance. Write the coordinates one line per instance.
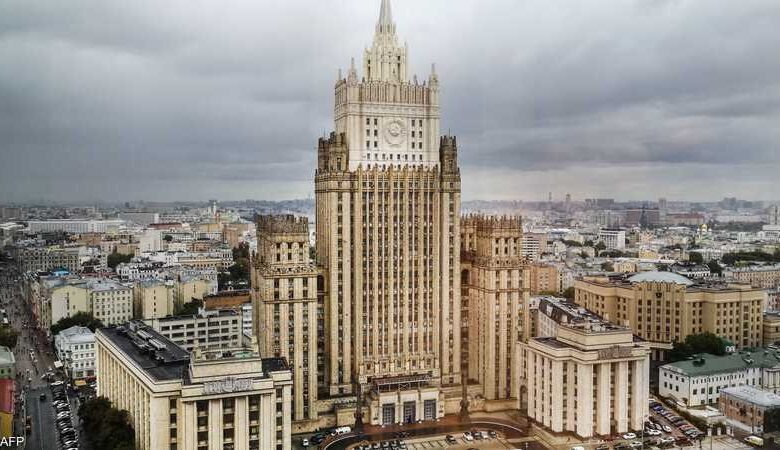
(774, 215)
(388, 244)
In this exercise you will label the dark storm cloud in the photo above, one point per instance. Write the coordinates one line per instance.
(187, 100)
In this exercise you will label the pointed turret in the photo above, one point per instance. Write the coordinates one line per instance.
(385, 23)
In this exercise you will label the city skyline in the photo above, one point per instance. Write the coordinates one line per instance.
(167, 103)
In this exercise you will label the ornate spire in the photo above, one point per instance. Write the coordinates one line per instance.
(385, 23)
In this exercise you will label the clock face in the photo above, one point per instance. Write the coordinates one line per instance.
(395, 132)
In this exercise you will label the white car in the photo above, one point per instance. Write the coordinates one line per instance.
(667, 428)
(467, 436)
(305, 442)
(636, 444)
(629, 436)
(651, 432)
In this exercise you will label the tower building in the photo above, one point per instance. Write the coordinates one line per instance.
(284, 304)
(388, 244)
(495, 297)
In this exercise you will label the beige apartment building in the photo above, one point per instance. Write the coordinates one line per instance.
(494, 297)
(388, 240)
(45, 259)
(758, 276)
(545, 278)
(591, 378)
(221, 400)
(284, 304)
(107, 300)
(153, 299)
(663, 307)
(771, 328)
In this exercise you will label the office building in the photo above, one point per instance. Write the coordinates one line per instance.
(208, 330)
(74, 226)
(75, 347)
(664, 307)
(699, 381)
(591, 378)
(388, 230)
(140, 218)
(747, 406)
(613, 239)
(46, 259)
(285, 304)
(771, 328)
(767, 276)
(493, 296)
(208, 400)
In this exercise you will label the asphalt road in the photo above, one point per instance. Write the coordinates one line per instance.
(511, 432)
(29, 369)
(44, 434)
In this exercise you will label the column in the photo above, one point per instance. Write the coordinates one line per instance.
(530, 382)
(571, 411)
(585, 400)
(621, 397)
(556, 406)
(602, 401)
(639, 393)
(241, 424)
(215, 424)
(187, 426)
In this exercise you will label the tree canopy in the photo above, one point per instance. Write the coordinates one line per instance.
(115, 259)
(106, 427)
(696, 258)
(83, 319)
(189, 308)
(8, 336)
(568, 293)
(698, 343)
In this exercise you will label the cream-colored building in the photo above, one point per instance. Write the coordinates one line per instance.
(192, 287)
(758, 276)
(388, 230)
(494, 294)
(591, 378)
(208, 401)
(771, 328)
(107, 300)
(544, 278)
(153, 299)
(664, 307)
(208, 330)
(284, 302)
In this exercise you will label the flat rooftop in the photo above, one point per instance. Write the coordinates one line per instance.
(572, 315)
(150, 351)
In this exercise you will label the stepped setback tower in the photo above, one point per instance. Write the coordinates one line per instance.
(388, 241)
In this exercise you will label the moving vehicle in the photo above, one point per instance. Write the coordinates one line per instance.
(629, 436)
(755, 440)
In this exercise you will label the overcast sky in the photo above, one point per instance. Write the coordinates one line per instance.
(197, 99)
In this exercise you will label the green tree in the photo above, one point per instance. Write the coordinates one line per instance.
(715, 268)
(600, 246)
(115, 259)
(189, 308)
(570, 243)
(8, 336)
(608, 267)
(168, 238)
(83, 319)
(106, 427)
(568, 293)
(696, 258)
(698, 343)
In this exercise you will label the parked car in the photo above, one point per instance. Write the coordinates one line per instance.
(628, 436)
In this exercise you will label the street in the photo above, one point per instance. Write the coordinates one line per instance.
(33, 359)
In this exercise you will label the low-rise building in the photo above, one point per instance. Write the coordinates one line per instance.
(207, 330)
(765, 276)
(613, 239)
(7, 391)
(46, 259)
(153, 299)
(747, 405)
(698, 381)
(75, 347)
(590, 378)
(227, 299)
(771, 328)
(230, 398)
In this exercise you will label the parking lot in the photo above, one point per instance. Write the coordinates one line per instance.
(455, 442)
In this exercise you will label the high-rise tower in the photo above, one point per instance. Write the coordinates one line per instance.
(388, 243)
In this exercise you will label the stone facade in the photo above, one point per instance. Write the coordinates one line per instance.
(284, 304)
(494, 296)
(388, 218)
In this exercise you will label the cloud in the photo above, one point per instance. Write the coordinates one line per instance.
(191, 100)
